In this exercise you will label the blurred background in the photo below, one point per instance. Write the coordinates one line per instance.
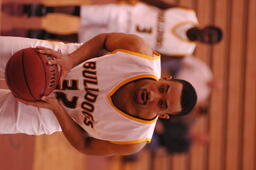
(222, 138)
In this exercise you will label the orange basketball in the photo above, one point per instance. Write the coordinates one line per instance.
(29, 76)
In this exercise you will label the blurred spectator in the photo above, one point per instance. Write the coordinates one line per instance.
(193, 70)
(174, 136)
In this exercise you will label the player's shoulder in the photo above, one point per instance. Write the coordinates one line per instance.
(136, 44)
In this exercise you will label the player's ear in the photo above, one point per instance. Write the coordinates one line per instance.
(164, 116)
(167, 77)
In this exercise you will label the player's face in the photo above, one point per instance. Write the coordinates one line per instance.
(161, 97)
(208, 36)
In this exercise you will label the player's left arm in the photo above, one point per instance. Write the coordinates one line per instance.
(109, 42)
(159, 4)
(96, 47)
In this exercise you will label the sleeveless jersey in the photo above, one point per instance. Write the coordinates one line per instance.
(86, 95)
(172, 31)
(163, 30)
(87, 92)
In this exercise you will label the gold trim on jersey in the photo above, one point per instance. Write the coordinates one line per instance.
(180, 54)
(157, 55)
(119, 86)
(125, 2)
(132, 142)
(172, 30)
(185, 9)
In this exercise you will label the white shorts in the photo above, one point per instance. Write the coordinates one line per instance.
(16, 117)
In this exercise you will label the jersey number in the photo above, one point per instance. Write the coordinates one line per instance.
(144, 30)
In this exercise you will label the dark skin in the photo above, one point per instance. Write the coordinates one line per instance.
(159, 4)
(203, 35)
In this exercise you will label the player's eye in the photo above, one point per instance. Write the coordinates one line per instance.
(163, 88)
(162, 104)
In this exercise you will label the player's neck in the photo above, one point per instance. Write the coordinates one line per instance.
(123, 99)
(122, 95)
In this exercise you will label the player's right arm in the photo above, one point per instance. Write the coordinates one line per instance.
(79, 138)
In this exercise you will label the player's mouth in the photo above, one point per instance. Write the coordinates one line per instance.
(142, 96)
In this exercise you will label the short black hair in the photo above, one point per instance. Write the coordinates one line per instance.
(188, 97)
(218, 32)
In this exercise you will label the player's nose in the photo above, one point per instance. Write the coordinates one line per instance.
(153, 96)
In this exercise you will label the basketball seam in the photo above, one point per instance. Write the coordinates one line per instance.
(25, 77)
(45, 75)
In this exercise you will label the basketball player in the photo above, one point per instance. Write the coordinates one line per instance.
(106, 105)
(173, 31)
(168, 29)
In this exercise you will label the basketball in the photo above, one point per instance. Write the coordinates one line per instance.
(29, 75)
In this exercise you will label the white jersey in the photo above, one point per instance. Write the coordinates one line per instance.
(86, 95)
(172, 38)
(91, 85)
(163, 30)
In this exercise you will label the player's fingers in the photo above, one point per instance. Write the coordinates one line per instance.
(60, 82)
(44, 48)
(48, 99)
(55, 61)
(63, 75)
(51, 102)
(37, 103)
(48, 51)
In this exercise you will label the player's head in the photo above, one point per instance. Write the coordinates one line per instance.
(188, 98)
(166, 97)
(211, 35)
(207, 35)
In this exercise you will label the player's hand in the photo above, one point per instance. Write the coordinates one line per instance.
(46, 102)
(61, 60)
